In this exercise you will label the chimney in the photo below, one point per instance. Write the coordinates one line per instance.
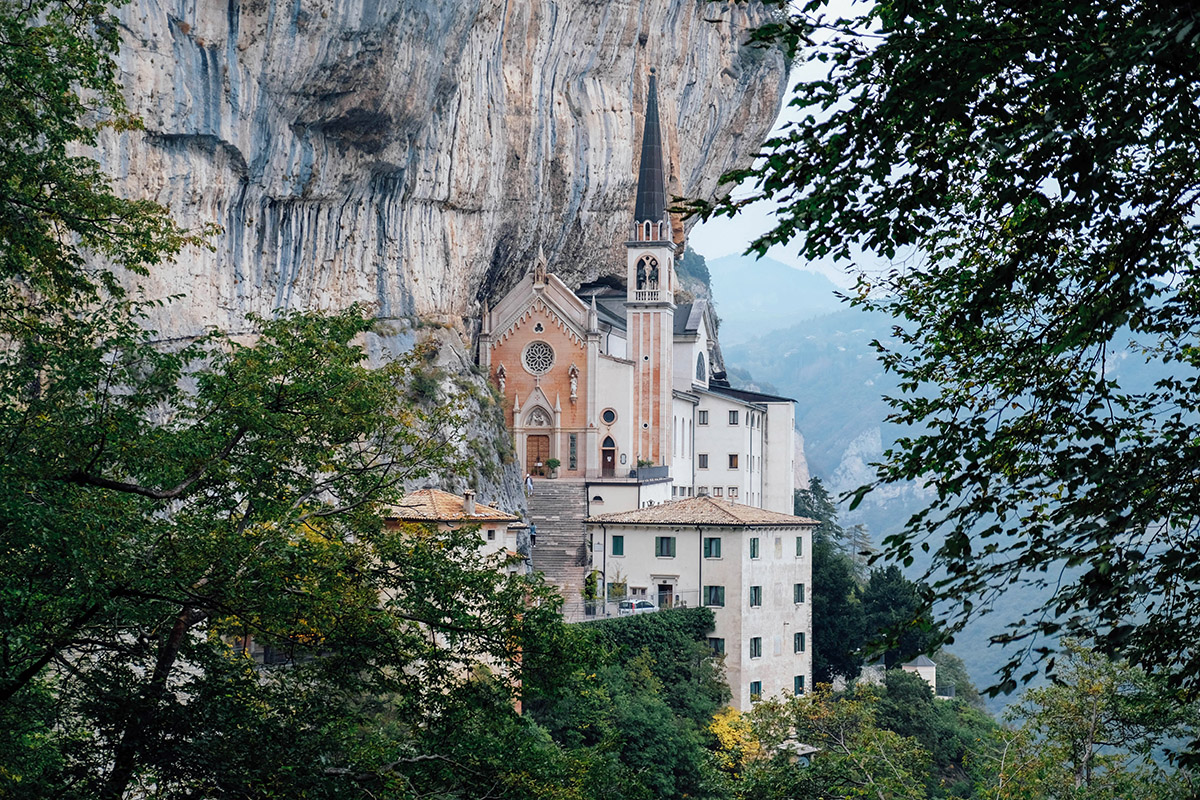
(469, 503)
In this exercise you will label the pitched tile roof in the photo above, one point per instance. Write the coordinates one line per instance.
(434, 505)
(708, 511)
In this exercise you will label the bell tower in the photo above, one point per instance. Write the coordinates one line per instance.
(650, 306)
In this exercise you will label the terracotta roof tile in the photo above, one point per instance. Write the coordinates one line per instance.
(434, 505)
(704, 511)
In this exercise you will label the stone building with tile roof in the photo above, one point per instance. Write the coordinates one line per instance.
(751, 566)
(500, 532)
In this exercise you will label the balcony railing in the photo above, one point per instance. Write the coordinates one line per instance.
(648, 295)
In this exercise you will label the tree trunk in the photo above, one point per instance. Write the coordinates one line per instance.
(134, 737)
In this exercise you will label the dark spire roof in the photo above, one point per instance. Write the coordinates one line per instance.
(652, 184)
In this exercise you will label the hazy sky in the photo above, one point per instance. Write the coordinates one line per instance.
(724, 236)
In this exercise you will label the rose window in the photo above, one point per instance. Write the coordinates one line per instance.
(539, 358)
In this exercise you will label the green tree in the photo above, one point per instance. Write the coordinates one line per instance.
(632, 701)
(164, 507)
(948, 730)
(851, 755)
(898, 617)
(1091, 736)
(1031, 172)
(839, 635)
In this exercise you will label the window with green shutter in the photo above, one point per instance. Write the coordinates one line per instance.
(618, 545)
(664, 546)
(714, 595)
(798, 593)
(712, 547)
(755, 596)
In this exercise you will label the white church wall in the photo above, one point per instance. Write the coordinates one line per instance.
(779, 463)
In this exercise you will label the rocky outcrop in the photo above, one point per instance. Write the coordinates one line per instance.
(416, 154)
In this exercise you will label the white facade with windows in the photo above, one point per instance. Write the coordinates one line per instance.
(753, 567)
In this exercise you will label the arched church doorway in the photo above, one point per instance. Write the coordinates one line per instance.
(537, 450)
(608, 458)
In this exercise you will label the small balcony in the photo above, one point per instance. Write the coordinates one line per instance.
(649, 295)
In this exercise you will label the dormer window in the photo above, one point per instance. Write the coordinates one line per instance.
(701, 372)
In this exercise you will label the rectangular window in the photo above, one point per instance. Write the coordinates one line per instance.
(755, 596)
(798, 684)
(798, 643)
(733, 491)
(799, 546)
(701, 491)
(712, 547)
(717, 491)
(798, 593)
(616, 591)
(733, 461)
(573, 458)
(664, 546)
(755, 691)
(701, 417)
(733, 417)
(778, 547)
(717, 645)
(756, 647)
(618, 541)
(714, 596)
(702, 461)
(491, 534)
(754, 547)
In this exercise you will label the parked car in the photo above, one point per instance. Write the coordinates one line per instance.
(627, 607)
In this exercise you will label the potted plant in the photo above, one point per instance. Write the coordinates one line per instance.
(552, 465)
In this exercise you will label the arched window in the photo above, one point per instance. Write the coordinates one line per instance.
(701, 373)
(647, 227)
(608, 442)
(647, 272)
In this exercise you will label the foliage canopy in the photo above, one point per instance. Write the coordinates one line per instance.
(1031, 170)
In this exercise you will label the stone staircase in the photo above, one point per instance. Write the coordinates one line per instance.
(557, 508)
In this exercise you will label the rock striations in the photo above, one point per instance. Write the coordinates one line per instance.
(416, 154)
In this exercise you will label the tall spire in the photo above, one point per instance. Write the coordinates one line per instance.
(652, 185)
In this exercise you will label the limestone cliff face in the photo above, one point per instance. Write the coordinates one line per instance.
(415, 154)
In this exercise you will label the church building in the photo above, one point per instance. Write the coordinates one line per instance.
(622, 384)
(657, 483)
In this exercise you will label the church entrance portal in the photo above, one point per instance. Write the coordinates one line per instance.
(537, 450)
(608, 458)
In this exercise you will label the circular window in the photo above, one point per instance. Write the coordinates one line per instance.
(538, 357)
(609, 416)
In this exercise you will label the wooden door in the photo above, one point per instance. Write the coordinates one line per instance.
(537, 450)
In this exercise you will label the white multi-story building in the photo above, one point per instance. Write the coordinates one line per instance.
(751, 566)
